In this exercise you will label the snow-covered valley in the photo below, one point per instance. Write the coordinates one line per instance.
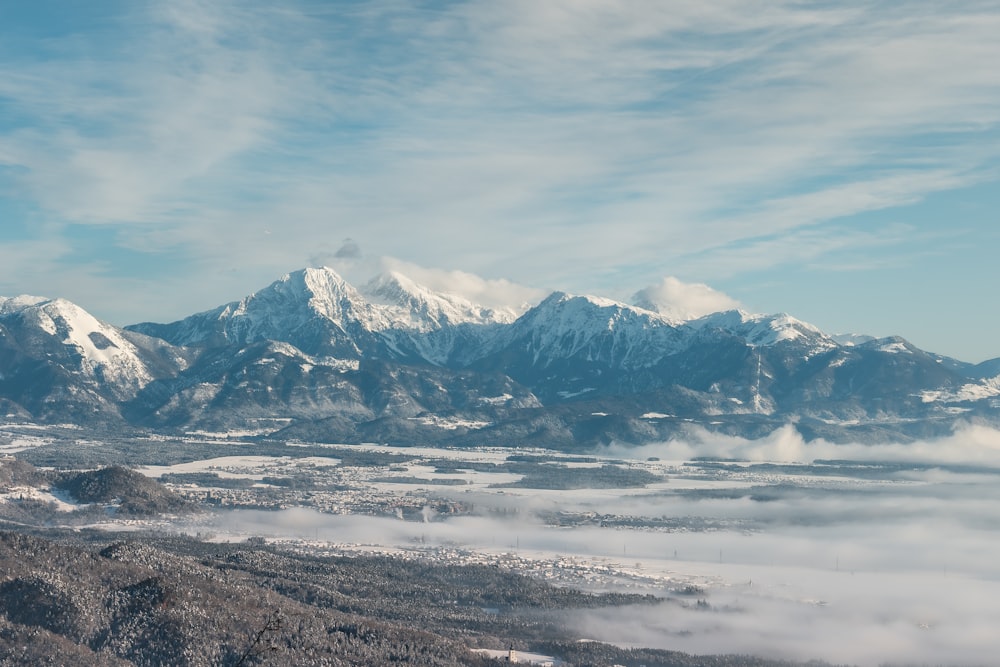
(781, 549)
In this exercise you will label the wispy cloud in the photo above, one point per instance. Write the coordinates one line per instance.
(493, 293)
(799, 246)
(567, 143)
(128, 133)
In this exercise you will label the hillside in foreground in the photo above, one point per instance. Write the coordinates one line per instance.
(182, 602)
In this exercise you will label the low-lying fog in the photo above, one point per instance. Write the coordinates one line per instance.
(866, 564)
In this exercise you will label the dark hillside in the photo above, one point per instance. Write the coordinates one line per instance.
(136, 493)
(177, 601)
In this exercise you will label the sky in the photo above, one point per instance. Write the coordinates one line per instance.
(836, 161)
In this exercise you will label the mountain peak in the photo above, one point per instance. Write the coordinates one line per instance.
(330, 293)
(303, 293)
(765, 330)
(11, 304)
(560, 297)
(393, 288)
(321, 277)
(58, 329)
(421, 308)
(586, 303)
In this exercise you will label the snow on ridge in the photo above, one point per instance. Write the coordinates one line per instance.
(851, 339)
(13, 304)
(307, 361)
(977, 391)
(893, 347)
(328, 291)
(284, 306)
(288, 350)
(101, 347)
(101, 344)
(396, 307)
(496, 400)
(402, 301)
(583, 305)
(389, 302)
(81, 328)
(764, 330)
(604, 302)
(565, 325)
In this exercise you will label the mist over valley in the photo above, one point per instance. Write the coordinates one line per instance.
(779, 550)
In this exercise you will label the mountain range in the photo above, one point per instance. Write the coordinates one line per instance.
(312, 357)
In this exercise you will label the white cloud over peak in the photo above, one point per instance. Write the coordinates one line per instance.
(492, 293)
(683, 301)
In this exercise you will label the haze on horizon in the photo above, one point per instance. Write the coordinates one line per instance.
(839, 163)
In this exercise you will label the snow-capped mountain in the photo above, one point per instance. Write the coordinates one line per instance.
(766, 330)
(58, 358)
(592, 329)
(412, 306)
(311, 356)
(569, 346)
(314, 309)
(420, 324)
(322, 314)
(121, 360)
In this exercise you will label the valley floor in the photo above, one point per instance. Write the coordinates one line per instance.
(779, 556)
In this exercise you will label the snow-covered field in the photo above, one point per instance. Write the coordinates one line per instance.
(885, 555)
(60, 501)
(239, 467)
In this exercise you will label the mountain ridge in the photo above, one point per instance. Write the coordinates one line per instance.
(310, 355)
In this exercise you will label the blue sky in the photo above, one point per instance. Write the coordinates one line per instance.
(837, 161)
